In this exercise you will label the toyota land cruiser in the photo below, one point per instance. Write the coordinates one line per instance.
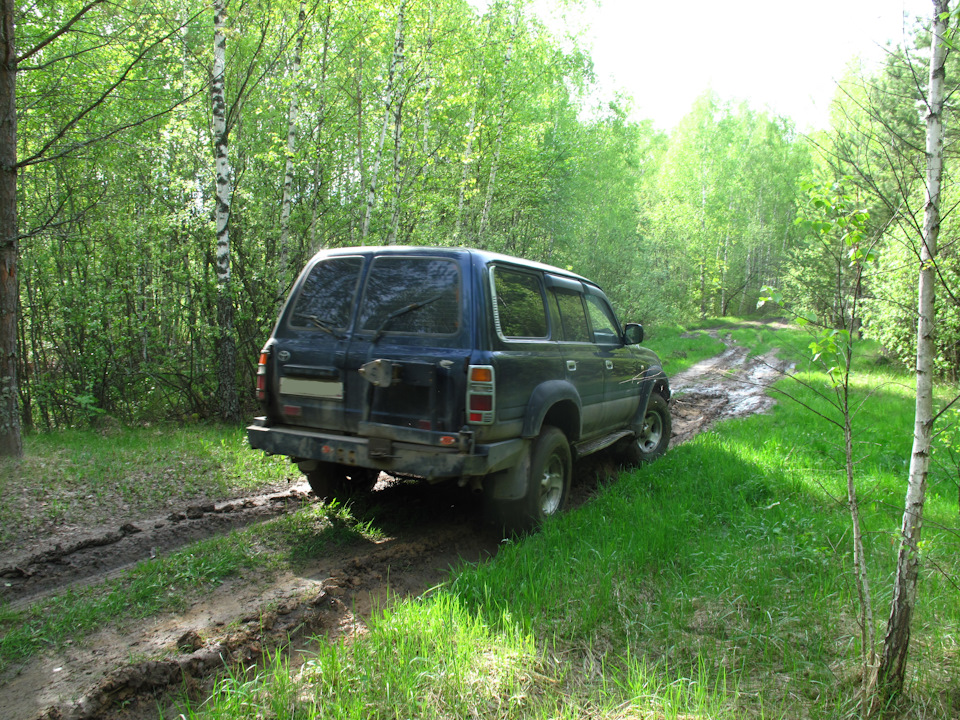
(446, 363)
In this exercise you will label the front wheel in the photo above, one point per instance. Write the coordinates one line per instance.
(653, 437)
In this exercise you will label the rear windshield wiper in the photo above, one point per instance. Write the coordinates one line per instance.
(402, 311)
(323, 326)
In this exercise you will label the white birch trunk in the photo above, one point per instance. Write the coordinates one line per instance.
(292, 113)
(396, 62)
(501, 124)
(228, 405)
(466, 162)
(397, 180)
(892, 670)
(321, 117)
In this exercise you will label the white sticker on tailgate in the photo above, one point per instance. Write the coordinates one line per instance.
(311, 388)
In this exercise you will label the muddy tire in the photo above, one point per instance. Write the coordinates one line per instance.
(331, 481)
(653, 437)
(546, 486)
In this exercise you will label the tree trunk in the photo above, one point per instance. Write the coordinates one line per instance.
(397, 176)
(227, 402)
(893, 663)
(292, 112)
(466, 161)
(321, 118)
(396, 63)
(10, 441)
(501, 124)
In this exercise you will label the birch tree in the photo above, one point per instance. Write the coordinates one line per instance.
(893, 662)
(501, 123)
(292, 113)
(227, 400)
(396, 67)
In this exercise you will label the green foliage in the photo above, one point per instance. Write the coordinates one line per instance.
(823, 285)
(721, 209)
(485, 146)
(877, 146)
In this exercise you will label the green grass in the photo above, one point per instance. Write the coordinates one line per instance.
(679, 348)
(715, 583)
(78, 476)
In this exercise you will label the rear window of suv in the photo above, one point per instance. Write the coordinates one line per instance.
(327, 295)
(413, 295)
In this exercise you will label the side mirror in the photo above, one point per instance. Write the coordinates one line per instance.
(633, 334)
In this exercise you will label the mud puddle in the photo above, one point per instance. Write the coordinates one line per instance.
(124, 672)
(729, 385)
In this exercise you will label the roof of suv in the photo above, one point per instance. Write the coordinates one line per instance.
(484, 255)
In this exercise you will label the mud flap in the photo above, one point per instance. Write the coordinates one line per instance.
(509, 484)
(504, 493)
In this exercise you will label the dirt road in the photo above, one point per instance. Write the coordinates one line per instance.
(119, 673)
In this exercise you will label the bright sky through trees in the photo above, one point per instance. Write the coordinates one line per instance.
(785, 57)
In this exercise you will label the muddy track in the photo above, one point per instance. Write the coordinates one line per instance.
(96, 554)
(122, 672)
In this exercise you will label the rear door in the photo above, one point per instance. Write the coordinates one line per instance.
(584, 366)
(526, 351)
(406, 361)
(311, 344)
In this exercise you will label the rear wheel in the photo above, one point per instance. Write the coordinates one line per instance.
(330, 480)
(544, 487)
(550, 473)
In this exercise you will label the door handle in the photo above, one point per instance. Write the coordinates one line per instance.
(571, 365)
(609, 364)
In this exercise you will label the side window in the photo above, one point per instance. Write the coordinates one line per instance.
(518, 304)
(412, 295)
(573, 317)
(327, 295)
(601, 318)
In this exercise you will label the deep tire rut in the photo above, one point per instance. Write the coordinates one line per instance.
(91, 557)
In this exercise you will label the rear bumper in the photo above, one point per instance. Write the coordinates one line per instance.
(400, 453)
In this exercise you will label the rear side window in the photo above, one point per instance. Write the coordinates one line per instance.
(327, 295)
(573, 317)
(413, 295)
(518, 301)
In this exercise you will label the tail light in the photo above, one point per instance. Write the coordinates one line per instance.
(262, 378)
(481, 385)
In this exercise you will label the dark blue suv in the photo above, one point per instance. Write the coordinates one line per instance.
(446, 363)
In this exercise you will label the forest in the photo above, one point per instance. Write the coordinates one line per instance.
(167, 167)
(177, 164)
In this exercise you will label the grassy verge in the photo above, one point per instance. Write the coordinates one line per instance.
(714, 583)
(83, 477)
